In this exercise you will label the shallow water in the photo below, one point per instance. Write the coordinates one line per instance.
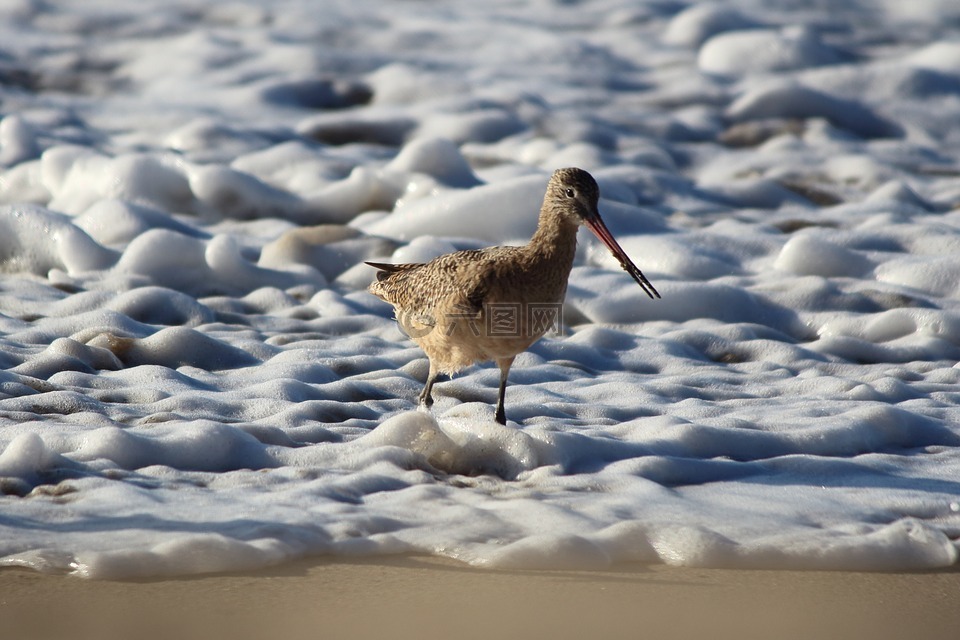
(194, 378)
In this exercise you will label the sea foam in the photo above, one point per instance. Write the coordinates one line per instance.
(194, 379)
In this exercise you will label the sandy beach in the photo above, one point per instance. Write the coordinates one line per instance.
(434, 598)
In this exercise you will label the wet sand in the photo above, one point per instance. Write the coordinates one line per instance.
(427, 598)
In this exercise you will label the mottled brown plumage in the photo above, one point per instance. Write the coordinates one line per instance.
(447, 305)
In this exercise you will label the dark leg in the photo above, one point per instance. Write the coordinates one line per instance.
(426, 397)
(504, 370)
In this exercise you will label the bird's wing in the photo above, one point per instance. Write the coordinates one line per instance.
(454, 280)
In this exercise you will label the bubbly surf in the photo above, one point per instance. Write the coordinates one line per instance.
(194, 379)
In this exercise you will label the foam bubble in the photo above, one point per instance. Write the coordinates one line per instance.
(436, 157)
(24, 456)
(175, 347)
(787, 100)
(696, 24)
(195, 379)
(37, 240)
(735, 53)
(808, 255)
(489, 212)
(17, 141)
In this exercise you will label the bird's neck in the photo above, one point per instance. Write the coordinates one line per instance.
(555, 238)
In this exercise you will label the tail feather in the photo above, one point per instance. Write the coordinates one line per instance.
(385, 270)
(383, 266)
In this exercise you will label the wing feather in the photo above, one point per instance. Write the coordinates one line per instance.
(456, 280)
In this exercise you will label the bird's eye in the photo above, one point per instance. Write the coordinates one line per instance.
(571, 193)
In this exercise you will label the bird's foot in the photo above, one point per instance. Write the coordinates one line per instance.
(426, 401)
(501, 416)
(426, 396)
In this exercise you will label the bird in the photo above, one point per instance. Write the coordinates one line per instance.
(492, 304)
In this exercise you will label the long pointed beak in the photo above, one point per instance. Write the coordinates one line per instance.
(599, 229)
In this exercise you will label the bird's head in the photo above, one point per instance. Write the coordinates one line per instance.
(576, 195)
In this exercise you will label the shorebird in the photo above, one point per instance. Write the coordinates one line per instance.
(492, 304)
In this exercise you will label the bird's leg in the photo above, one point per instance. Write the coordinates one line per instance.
(504, 364)
(426, 397)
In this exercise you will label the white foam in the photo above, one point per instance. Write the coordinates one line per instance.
(806, 254)
(790, 100)
(696, 24)
(194, 379)
(491, 212)
(37, 240)
(757, 51)
(17, 141)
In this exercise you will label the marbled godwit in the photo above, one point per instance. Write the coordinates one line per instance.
(448, 305)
